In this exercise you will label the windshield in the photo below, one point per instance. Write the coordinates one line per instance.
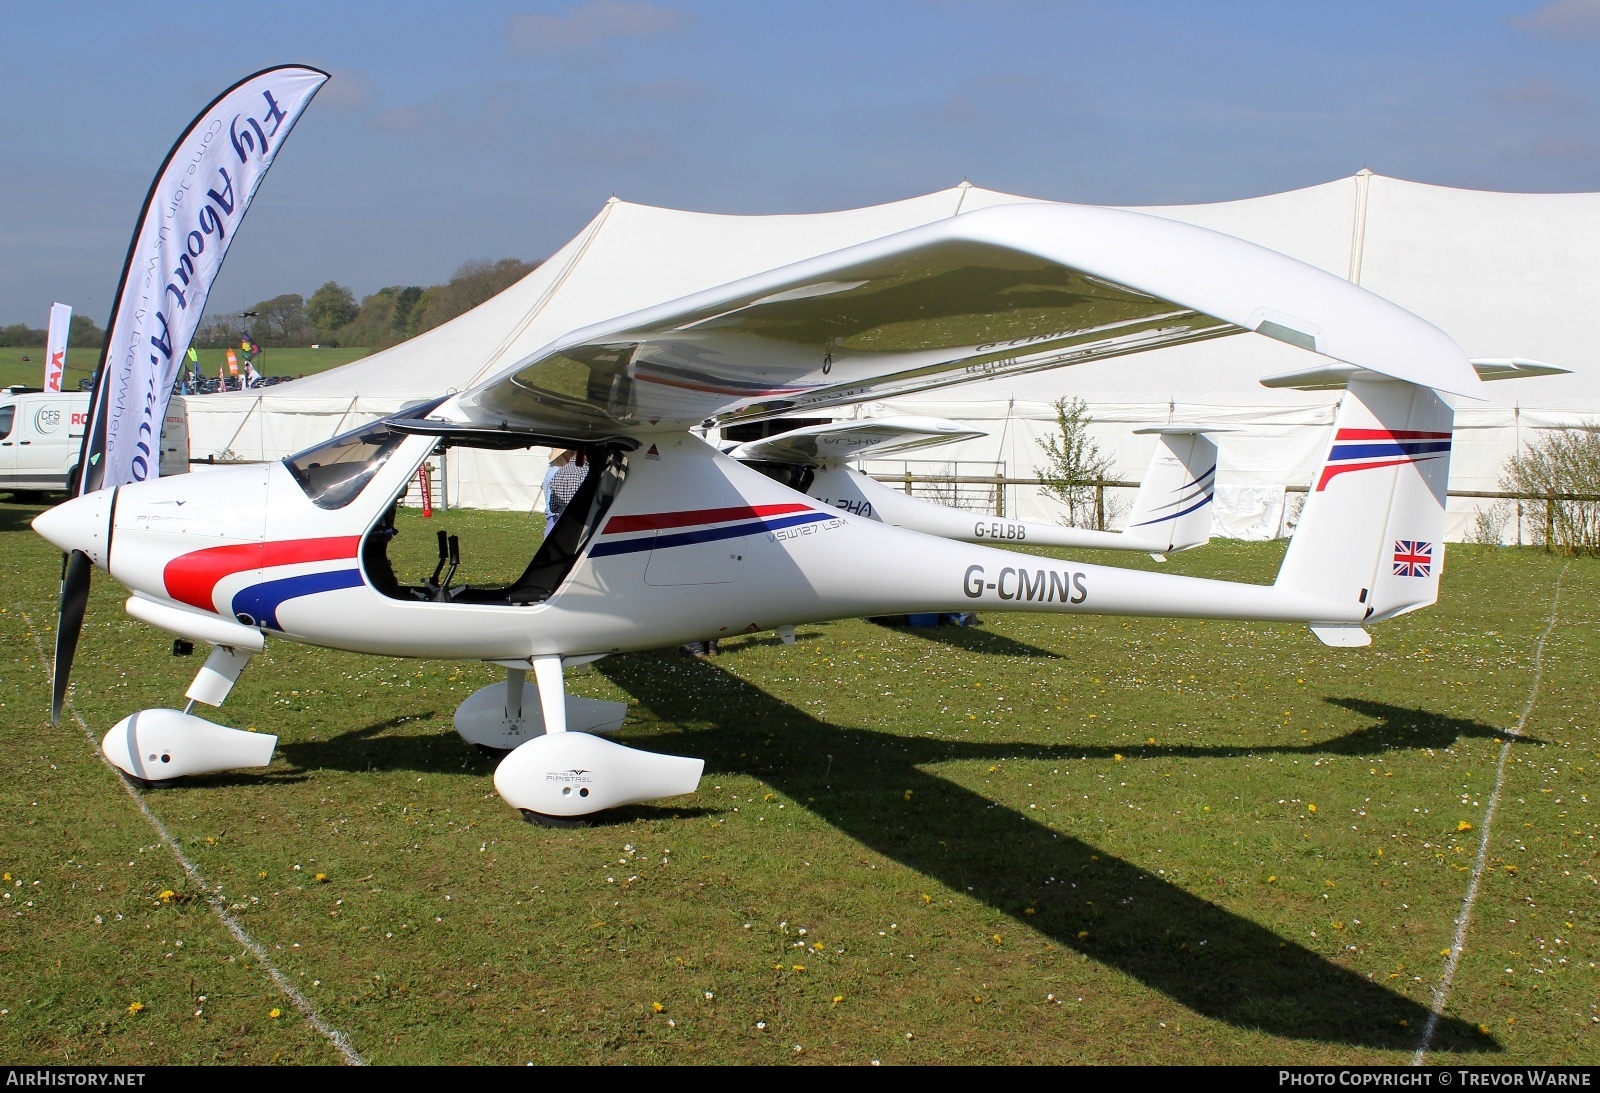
(336, 471)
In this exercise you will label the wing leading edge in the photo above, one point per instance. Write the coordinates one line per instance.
(999, 291)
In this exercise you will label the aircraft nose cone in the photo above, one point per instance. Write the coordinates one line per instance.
(83, 523)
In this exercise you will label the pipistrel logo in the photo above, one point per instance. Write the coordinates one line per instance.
(567, 776)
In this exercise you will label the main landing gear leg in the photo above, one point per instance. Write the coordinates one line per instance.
(157, 746)
(559, 777)
(501, 716)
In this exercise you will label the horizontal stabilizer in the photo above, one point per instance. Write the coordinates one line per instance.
(842, 441)
(1333, 376)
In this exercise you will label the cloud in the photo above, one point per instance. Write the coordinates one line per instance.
(1563, 19)
(417, 119)
(1574, 151)
(667, 91)
(1545, 96)
(592, 25)
(347, 89)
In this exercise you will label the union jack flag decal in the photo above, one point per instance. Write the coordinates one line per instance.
(1412, 559)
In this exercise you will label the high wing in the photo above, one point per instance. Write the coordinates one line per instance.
(998, 291)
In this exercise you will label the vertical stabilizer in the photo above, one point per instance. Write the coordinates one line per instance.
(1371, 530)
(1173, 504)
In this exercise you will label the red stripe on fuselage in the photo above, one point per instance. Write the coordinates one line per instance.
(659, 520)
(192, 578)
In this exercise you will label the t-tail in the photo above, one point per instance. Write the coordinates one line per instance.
(1372, 529)
(1172, 510)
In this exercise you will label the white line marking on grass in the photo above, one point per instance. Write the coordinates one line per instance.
(214, 899)
(1442, 991)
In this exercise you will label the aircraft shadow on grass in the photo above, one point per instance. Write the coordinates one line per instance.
(1203, 956)
(976, 640)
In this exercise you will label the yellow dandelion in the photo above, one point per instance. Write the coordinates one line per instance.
(133, 1007)
(1118, 756)
(799, 967)
(1272, 879)
(1311, 808)
(1029, 911)
(926, 898)
(1444, 952)
(1463, 826)
(166, 895)
(274, 1013)
(321, 878)
(1152, 740)
(7, 876)
(1404, 1023)
(657, 1007)
(908, 795)
(1082, 934)
(840, 998)
(1483, 1030)
(261, 876)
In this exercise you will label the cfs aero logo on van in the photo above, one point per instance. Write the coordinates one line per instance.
(47, 419)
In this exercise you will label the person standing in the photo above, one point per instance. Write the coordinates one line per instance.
(561, 484)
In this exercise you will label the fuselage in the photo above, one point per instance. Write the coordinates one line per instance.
(692, 545)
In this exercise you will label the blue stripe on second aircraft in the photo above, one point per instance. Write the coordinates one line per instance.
(1202, 503)
(705, 535)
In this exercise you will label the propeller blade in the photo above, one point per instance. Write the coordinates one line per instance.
(74, 599)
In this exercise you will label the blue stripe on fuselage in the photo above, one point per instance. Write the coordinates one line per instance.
(1389, 450)
(260, 602)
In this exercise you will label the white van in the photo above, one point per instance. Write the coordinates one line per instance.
(41, 434)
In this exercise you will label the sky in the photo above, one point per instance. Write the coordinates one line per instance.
(450, 133)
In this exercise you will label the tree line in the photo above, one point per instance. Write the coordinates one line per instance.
(84, 331)
(331, 317)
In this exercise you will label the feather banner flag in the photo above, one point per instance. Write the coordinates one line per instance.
(55, 352)
(190, 215)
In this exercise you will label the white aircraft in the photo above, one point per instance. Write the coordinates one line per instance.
(1171, 511)
(671, 541)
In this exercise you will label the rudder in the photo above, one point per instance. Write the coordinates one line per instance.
(1372, 528)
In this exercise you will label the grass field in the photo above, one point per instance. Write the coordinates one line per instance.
(81, 362)
(1038, 841)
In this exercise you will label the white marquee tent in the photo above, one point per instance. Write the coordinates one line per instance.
(1507, 275)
